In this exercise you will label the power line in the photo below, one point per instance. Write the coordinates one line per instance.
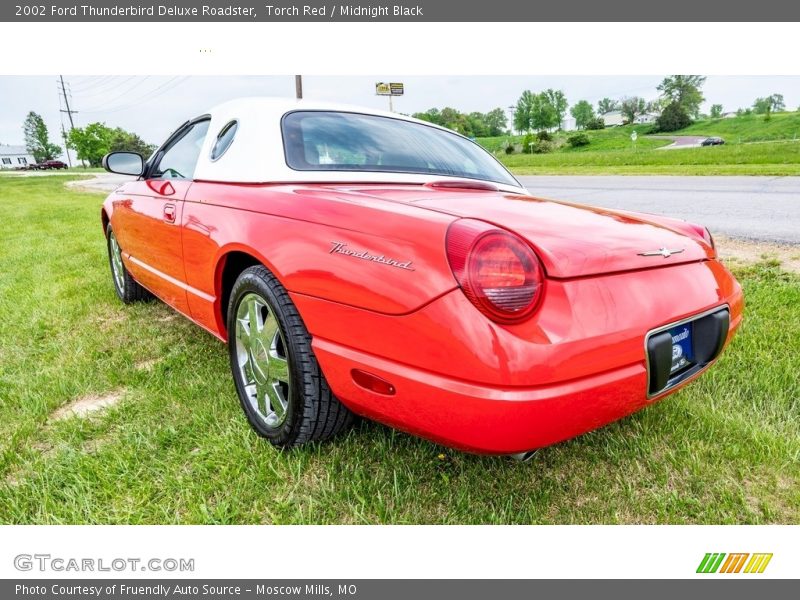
(106, 82)
(121, 95)
(147, 97)
(106, 89)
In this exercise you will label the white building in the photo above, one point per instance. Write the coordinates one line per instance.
(15, 157)
(646, 118)
(568, 124)
(613, 118)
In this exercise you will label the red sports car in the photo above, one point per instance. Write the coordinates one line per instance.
(359, 262)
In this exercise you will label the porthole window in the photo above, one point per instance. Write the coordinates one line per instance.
(224, 139)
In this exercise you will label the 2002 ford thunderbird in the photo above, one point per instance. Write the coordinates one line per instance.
(363, 262)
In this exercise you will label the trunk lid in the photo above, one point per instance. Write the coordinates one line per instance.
(572, 240)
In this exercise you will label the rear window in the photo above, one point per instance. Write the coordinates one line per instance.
(339, 141)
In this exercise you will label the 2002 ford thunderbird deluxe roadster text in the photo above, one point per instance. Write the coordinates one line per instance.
(362, 262)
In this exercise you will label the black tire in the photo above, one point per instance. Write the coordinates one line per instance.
(312, 413)
(127, 288)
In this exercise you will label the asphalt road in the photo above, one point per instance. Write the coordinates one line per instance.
(766, 209)
(680, 141)
(755, 208)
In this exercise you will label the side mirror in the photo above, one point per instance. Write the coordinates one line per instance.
(124, 163)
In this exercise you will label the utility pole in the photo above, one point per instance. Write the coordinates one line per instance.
(298, 86)
(69, 114)
(66, 150)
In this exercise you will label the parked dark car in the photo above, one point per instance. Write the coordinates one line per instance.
(712, 141)
(51, 164)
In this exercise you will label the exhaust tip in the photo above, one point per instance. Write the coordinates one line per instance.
(523, 456)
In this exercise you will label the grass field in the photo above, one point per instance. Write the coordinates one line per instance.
(765, 158)
(601, 140)
(173, 447)
(753, 147)
(751, 128)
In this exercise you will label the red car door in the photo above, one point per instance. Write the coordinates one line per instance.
(147, 216)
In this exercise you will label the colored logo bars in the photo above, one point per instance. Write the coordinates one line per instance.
(716, 562)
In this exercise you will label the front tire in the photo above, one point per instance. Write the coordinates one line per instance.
(281, 388)
(128, 290)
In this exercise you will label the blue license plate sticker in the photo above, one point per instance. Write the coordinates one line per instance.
(681, 347)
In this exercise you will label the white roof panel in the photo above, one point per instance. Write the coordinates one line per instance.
(257, 156)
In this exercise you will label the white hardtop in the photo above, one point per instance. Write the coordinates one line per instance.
(257, 155)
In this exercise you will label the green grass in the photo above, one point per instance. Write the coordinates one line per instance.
(612, 138)
(753, 147)
(767, 158)
(176, 449)
(752, 128)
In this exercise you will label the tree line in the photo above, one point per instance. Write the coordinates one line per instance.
(676, 106)
(91, 143)
(474, 124)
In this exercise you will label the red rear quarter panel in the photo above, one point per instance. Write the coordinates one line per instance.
(291, 229)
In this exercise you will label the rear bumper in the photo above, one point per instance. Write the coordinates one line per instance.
(462, 381)
(490, 419)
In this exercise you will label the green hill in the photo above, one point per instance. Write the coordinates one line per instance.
(754, 146)
(750, 128)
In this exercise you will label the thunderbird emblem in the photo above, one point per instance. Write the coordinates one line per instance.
(665, 252)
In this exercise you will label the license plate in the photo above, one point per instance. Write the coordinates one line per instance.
(681, 347)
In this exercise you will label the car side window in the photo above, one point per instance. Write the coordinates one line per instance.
(180, 159)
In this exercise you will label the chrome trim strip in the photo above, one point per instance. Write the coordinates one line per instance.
(670, 326)
(170, 279)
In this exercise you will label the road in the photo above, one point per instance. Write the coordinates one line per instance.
(765, 209)
(101, 182)
(680, 141)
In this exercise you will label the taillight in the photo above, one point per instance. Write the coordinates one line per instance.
(498, 272)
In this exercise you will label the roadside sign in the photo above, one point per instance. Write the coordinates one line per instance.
(389, 89)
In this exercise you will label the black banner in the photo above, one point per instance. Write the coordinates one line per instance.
(400, 10)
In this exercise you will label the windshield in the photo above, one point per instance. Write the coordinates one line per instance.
(339, 141)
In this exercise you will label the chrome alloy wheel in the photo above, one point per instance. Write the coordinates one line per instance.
(262, 359)
(116, 262)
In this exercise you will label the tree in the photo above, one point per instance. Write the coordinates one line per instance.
(474, 124)
(559, 104)
(432, 115)
(523, 110)
(770, 104)
(685, 90)
(656, 106)
(543, 114)
(631, 108)
(37, 139)
(607, 105)
(596, 123)
(583, 113)
(540, 112)
(91, 142)
(96, 140)
(716, 111)
(126, 141)
(496, 121)
(672, 118)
